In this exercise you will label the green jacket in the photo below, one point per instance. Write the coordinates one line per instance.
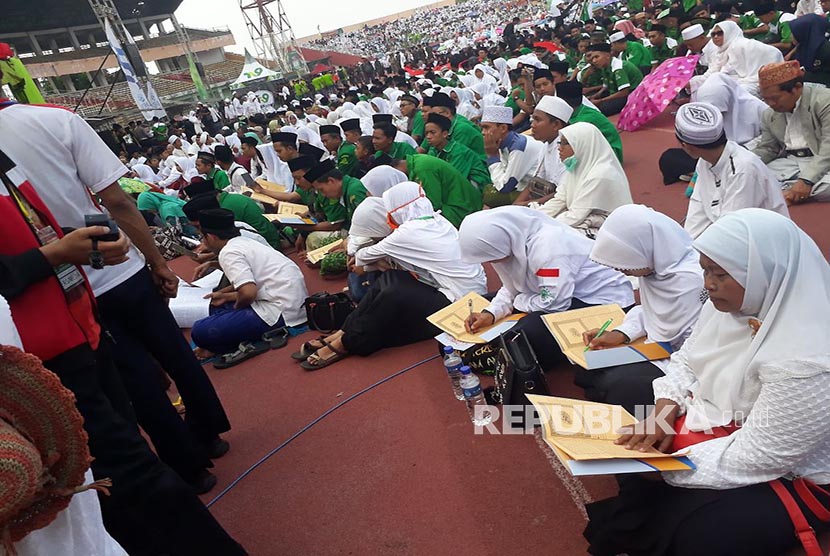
(638, 54)
(347, 161)
(220, 178)
(445, 187)
(399, 151)
(418, 126)
(247, 210)
(587, 114)
(468, 163)
(465, 132)
(320, 205)
(353, 194)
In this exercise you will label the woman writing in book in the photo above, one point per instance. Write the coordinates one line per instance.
(748, 393)
(424, 273)
(641, 242)
(544, 267)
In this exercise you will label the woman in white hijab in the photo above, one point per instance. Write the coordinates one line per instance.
(504, 77)
(483, 81)
(428, 275)
(544, 268)
(641, 242)
(741, 111)
(738, 57)
(594, 183)
(145, 173)
(465, 103)
(748, 393)
(382, 178)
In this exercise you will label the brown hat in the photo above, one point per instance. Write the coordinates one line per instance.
(43, 445)
(779, 72)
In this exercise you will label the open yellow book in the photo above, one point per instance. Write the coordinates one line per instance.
(317, 255)
(291, 208)
(261, 197)
(567, 328)
(584, 432)
(451, 320)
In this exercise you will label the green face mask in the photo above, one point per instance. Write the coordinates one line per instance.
(571, 163)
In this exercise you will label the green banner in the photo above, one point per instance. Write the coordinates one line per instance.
(21, 83)
(201, 91)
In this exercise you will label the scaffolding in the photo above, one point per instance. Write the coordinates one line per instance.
(272, 36)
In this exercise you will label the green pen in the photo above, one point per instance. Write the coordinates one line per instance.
(600, 333)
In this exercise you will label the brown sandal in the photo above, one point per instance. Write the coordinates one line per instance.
(315, 363)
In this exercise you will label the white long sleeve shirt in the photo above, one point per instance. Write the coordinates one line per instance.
(519, 158)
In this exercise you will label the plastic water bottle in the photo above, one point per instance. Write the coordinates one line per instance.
(476, 404)
(452, 361)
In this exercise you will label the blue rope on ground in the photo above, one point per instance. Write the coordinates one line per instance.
(297, 434)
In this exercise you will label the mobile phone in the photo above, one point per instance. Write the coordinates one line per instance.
(249, 180)
(107, 222)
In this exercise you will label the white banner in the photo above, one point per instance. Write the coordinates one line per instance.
(148, 102)
(266, 98)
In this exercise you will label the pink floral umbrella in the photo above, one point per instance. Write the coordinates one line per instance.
(656, 92)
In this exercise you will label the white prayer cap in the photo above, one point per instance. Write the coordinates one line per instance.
(172, 139)
(556, 107)
(497, 115)
(618, 36)
(692, 32)
(698, 123)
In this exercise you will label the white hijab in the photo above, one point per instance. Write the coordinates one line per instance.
(742, 57)
(598, 182)
(786, 279)
(145, 173)
(378, 180)
(486, 84)
(427, 244)
(504, 78)
(635, 237)
(741, 110)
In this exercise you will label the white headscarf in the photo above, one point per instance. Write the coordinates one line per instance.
(378, 180)
(426, 244)
(186, 166)
(786, 281)
(597, 183)
(504, 78)
(382, 105)
(741, 111)
(145, 173)
(742, 57)
(635, 237)
(369, 219)
(484, 85)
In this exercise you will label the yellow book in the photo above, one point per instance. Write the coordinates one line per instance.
(567, 328)
(451, 320)
(292, 208)
(317, 255)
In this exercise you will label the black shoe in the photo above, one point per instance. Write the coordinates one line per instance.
(203, 482)
(217, 448)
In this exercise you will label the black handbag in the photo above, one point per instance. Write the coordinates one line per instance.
(517, 371)
(326, 312)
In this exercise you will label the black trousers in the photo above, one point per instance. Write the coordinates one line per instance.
(151, 510)
(626, 385)
(146, 335)
(611, 107)
(392, 313)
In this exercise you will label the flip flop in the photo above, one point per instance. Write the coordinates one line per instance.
(306, 350)
(277, 338)
(246, 351)
(322, 363)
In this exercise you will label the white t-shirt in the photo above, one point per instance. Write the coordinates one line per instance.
(64, 159)
(280, 284)
(235, 173)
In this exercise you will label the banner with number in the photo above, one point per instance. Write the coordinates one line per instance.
(266, 98)
(147, 101)
(253, 71)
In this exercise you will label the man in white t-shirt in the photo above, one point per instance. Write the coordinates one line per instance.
(235, 171)
(130, 296)
(267, 288)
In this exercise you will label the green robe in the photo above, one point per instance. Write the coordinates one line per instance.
(638, 54)
(418, 125)
(595, 117)
(445, 187)
(660, 54)
(165, 206)
(511, 102)
(471, 166)
(220, 178)
(353, 194)
(247, 210)
(399, 151)
(319, 205)
(347, 161)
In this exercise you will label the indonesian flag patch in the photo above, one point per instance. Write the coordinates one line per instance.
(548, 273)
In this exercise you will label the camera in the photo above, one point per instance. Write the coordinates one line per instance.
(107, 222)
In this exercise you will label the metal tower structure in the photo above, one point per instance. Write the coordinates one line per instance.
(272, 36)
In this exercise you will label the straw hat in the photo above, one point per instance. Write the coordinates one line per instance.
(43, 446)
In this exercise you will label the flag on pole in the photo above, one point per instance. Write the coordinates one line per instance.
(201, 91)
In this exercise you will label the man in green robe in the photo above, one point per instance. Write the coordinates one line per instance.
(410, 110)
(468, 163)
(383, 139)
(634, 52)
(444, 186)
(660, 49)
(206, 166)
(332, 184)
(330, 214)
(462, 131)
(347, 161)
(243, 208)
(571, 92)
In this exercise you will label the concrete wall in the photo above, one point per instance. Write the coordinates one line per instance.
(379, 20)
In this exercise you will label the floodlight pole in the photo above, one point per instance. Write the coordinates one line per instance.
(272, 36)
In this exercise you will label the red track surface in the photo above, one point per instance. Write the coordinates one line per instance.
(399, 470)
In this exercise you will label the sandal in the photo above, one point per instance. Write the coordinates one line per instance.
(315, 363)
(277, 338)
(307, 350)
(246, 351)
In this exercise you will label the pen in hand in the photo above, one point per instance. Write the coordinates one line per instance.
(602, 330)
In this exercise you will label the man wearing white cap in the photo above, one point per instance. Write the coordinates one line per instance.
(729, 177)
(513, 159)
(698, 42)
(631, 51)
(550, 116)
(178, 147)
